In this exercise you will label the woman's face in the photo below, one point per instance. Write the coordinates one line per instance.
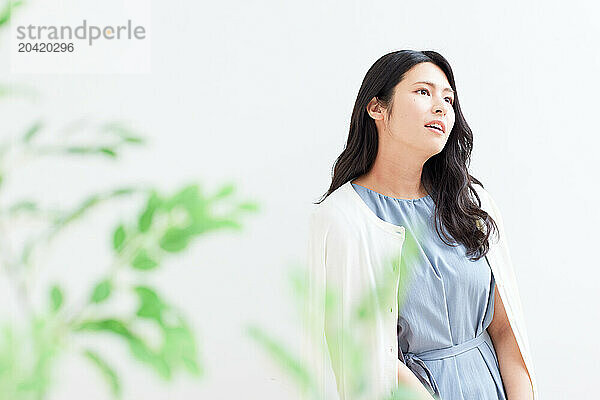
(416, 104)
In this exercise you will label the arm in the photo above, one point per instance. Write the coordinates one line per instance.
(408, 379)
(510, 341)
(512, 367)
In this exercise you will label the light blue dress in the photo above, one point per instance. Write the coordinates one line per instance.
(448, 305)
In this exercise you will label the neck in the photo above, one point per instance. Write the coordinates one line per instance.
(396, 174)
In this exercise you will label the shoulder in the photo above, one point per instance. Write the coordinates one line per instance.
(327, 216)
(334, 214)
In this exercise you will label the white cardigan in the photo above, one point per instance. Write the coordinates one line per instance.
(353, 258)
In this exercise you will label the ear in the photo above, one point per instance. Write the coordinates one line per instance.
(375, 110)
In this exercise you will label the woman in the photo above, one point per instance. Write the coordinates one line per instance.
(402, 184)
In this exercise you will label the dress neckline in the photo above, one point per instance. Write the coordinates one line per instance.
(390, 197)
(397, 230)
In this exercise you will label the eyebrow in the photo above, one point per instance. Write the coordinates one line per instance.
(447, 89)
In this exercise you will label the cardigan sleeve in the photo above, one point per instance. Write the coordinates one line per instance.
(509, 280)
(313, 345)
(327, 344)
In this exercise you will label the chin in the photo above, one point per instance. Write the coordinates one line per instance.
(436, 149)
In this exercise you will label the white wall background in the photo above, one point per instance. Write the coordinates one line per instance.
(261, 93)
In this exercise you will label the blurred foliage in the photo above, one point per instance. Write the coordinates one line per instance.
(6, 9)
(166, 225)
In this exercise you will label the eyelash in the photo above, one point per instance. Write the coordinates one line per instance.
(451, 101)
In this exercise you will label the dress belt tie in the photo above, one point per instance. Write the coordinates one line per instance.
(414, 361)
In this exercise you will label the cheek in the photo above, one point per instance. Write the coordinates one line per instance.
(451, 118)
(414, 107)
(409, 115)
(418, 101)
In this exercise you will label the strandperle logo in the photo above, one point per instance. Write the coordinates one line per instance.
(83, 32)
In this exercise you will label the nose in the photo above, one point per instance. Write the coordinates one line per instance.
(439, 108)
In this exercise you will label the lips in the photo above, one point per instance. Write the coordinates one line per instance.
(431, 124)
(435, 131)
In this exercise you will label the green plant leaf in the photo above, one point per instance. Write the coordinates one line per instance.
(225, 191)
(122, 191)
(44, 345)
(11, 359)
(225, 223)
(143, 353)
(32, 131)
(180, 348)
(280, 354)
(106, 325)
(79, 211)
(80, 150)
(118, 128)
(107, 372)
(89, 202)
(174, 240)
(248, 206)
(119, 238)
(151, 306)
(6, 12)
(126, 134)
(145, 220)
(133, 140)
(188, 197)
(56, 298)
(108, 151)
(91, 150)
(101, 291)
(24, 205)
(140, 350)
(143, 261)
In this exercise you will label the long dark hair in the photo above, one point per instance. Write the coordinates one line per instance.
(445, 175)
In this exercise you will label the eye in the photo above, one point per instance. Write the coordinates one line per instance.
(451, 100)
